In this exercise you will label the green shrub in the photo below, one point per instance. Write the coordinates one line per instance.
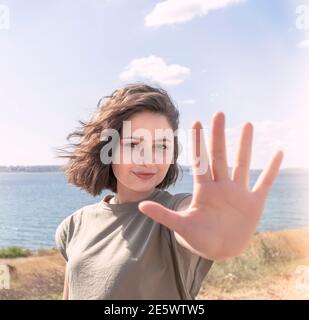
(14, 252)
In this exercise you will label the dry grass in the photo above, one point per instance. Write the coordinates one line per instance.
(35, 277)
(266, 270)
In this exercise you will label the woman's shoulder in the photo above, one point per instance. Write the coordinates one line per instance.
(73, 220)
(70, 227)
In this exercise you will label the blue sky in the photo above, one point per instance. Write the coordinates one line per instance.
(246, 58)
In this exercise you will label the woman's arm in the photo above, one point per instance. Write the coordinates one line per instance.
(65, 295)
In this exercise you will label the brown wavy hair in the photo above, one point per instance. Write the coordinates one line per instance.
(84, 168)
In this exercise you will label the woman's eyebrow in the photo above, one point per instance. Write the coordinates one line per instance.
(139, 138)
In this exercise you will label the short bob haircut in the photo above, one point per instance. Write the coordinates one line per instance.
(84, 168)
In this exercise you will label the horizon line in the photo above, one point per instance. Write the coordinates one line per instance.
(182, 165)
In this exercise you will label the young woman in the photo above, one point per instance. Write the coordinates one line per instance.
(144, 242)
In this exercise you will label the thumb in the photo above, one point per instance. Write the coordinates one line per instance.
(170, 218)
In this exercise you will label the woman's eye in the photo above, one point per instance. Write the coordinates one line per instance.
(133, 145)
(161, 146)
(130, 144)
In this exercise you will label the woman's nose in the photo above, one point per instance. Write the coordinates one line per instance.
(144, 155)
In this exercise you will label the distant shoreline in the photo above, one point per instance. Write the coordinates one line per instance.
(47, 168)
(59, 168)
(39, 168)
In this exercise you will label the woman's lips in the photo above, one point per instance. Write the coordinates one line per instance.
(144, 176)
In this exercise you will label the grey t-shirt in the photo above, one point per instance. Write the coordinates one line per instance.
(113, 251)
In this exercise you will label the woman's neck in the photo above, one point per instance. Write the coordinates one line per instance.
(125, 196)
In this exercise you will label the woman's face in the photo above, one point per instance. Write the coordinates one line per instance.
(144, 147)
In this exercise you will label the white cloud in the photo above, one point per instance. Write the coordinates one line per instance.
(155, 69)
(179, 11)
(269, 136)
(303, 44)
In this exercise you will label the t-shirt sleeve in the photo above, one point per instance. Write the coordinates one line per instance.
(193, 267)
(61, 238)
